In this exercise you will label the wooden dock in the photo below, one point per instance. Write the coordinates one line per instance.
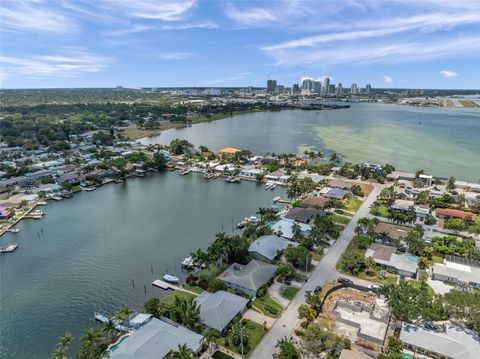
(165, 285)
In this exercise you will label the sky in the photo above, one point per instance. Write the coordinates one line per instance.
(215, 43)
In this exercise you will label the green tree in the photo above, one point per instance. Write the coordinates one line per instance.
(298, 256)
(215, 285)
(353, 263)
(183, 352)
(210, 337)
(63, 346)
(454, 224)
(286, 350)
(239, 336)
(464, 305)
(286, 271)
(318, 339)
(306, 312)
(395, 345)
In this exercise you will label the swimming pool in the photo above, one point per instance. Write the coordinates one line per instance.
(412, 259)
(114, 347)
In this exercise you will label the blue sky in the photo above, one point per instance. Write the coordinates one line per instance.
(134, 43)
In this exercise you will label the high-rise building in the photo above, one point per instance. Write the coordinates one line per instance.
(368, 89)
(354, 89)
(307, 84)
(326, 85)
(279, 89)
(295, 89)
(271, 84)
(339, 91)
(317, 86)
(331, 89)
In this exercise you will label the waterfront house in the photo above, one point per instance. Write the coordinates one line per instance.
(278, 177)
(458, 271)
(284, 228)
(5, 213)
(218, 309)
(451, 343)
(313, 176)
(73, 179)
(154, 339)
(267, 248)
(227, 151)
(251, 173)
(315, 202)
(396, 175)
(386, 258)
(248, 278)
(447, 213)
(66, 169)
(336, 193)
(12, 182)
(35, 176)
(47, 188)
(304, 215)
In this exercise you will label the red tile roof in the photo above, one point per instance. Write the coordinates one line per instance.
(456, 213)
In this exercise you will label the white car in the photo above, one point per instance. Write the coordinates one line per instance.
(373, 287)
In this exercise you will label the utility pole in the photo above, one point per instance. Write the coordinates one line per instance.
(306, 268)
(241, 337)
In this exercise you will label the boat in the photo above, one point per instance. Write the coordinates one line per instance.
(188, 262)
(184, 172)
(241, 224)
(57, 198)
(90, 189)
(273, 186)
(170, 278)
(275, 209)
(14, 230)
(208, 175)
(276, 199)
(232, 179)
(66, 194)
(252, 219)
(9, 248)
(269, 185)
(41, 203)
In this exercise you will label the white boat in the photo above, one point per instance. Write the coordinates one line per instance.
(273, 186)
(252, 219)
(188, 262)
(41, 203)
(167, 277)
(8, 249)
(185, 172)
(276, 199)
(14, 230)
(90, 189)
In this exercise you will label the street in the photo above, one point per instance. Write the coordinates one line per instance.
(325, 272)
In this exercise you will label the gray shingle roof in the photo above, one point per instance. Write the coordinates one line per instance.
(304, 215)
(269, 246)
(252, 276)
(155, 340)
(454, 343)
(218, 309)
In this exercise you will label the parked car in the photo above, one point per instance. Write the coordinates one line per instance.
(345, 280)
(373, 287)
(317, 289)
(288, 281)
(431, 326)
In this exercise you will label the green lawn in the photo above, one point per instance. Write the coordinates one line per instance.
(221, 355)
(264, 303)
(289, 292)
(380, 211)
(390, 278)
(255, 333)
(418, 284)
(195, 289)
(352, 204)
(340, 219)
(211, 272)
(171, 297)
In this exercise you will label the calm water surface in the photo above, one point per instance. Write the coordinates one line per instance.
(96, 243)
(441, 141)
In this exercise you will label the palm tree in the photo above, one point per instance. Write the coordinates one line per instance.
(63, 347)
(109, 328)
(209, 338)
(124, 315)
(183, 352)
(92, 336)
(238, 335)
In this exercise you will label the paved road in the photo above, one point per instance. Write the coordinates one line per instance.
(325, 272)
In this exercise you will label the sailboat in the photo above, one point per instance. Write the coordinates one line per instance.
(170, 277)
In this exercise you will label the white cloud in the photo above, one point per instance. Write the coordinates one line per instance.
(448, 73)
(174, 56)
(188, 26)
(68, 64)
(29, 16)
(253, 16)
(387, 79)
(355, 53)
(166, 10)
(234, 77)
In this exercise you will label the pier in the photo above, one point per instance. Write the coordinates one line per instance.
(166, 286)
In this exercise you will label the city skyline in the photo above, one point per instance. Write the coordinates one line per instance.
(427, 44)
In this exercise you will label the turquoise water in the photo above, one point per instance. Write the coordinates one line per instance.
(412, 259)
(441, 141)
(116, 345)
